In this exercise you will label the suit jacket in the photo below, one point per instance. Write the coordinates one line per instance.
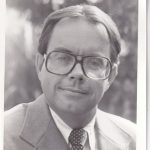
(31, 127)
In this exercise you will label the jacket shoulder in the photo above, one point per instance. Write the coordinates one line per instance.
(125, 125)
(13, 121)
(118, 129)
(13, 118)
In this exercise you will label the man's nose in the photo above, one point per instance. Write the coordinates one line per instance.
(77, 73)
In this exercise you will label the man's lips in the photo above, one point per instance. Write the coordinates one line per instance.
(73, 90)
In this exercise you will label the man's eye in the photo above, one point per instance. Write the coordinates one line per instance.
(63, 58)
(96, 63)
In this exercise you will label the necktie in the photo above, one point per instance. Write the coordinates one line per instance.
(77, 139)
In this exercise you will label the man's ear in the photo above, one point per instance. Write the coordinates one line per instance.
(112, 76)
(39, 60)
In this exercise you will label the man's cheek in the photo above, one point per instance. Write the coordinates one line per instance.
(98, 90)
(47, 86)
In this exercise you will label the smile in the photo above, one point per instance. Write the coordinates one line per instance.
(73, 90)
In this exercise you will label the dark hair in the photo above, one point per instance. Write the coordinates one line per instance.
(91, 13)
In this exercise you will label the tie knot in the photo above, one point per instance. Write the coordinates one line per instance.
(78, 137)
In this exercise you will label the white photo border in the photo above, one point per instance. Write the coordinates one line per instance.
(2, 68)
(141, 77)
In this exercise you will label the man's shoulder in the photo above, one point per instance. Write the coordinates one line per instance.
(118, 129)
(23, 122)
(122, 124)
(14, 118)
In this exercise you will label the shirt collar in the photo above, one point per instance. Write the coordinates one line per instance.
(66, 130)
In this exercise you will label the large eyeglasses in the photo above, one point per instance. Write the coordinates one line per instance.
(62, 63)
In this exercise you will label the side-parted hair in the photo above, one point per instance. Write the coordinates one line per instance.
(93, 15)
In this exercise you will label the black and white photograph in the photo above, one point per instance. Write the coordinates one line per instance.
(71, 75)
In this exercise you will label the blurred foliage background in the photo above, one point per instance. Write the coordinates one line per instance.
(23, 27)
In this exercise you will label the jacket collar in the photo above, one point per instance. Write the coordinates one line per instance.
(35, 124)
(38, 127)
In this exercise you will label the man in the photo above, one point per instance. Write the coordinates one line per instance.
(77, 61)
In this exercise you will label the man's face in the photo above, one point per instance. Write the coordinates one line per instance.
(75, 93)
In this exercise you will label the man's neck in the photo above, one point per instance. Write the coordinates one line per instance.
(76, 120)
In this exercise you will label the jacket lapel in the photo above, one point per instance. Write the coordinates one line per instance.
(39, 129)
(109, 135)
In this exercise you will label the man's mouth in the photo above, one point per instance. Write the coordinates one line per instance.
(73, 90)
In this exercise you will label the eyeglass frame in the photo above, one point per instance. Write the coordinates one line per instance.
(46, 56)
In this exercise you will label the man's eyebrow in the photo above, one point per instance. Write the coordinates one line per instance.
(94, 53)
(62, 49)
(89, 52)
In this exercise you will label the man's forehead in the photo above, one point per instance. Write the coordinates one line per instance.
(79, 35)
(82, 24)
(83, 21)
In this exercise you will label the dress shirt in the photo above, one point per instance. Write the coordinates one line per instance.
(66, 130)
